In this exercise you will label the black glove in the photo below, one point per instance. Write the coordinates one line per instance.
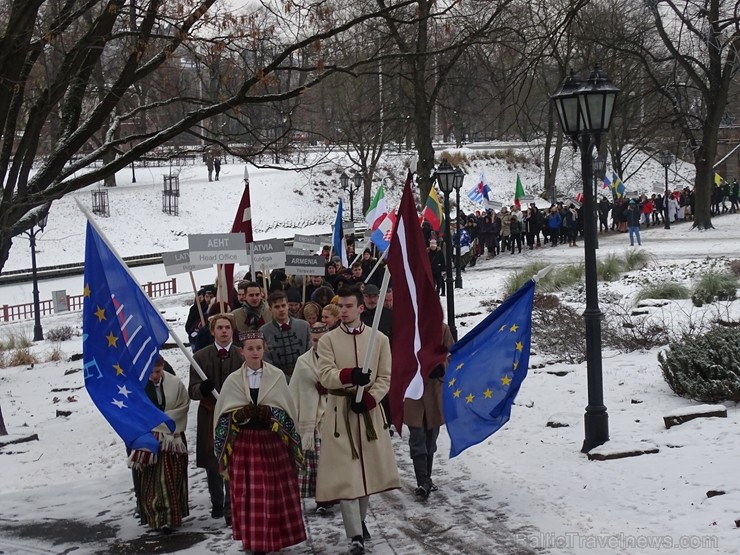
(263, 414)
(438, 372)
(359, 377)
(206, 386)
(359, 408)
(244, 413)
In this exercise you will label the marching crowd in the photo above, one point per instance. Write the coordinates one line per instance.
(287, 421)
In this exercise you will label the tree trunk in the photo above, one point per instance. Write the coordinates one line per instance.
(3, 429)
(703, 194)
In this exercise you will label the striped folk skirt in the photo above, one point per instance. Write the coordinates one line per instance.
(164, 491)
(307, 475)
(265, 500)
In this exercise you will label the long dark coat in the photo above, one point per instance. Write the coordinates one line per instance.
(216, 370)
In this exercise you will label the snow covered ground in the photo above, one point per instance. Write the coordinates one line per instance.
(527, 489)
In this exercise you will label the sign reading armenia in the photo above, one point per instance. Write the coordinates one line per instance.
(218, 248)
(304, 264)
(178, 262)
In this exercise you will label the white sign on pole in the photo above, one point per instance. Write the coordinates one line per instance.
(658, 189)
(269, 253)
(526, 198)
(178, 262)
(631, 194)
(218, 248)
(59, 298)
(307, 242)
(304, 265)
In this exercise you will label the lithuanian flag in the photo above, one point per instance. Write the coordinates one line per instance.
(433, 211)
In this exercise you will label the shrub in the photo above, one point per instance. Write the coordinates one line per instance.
(558, 332)
(62, 333)
(21, 357)
(636, 259)
(713, 286)
(457, 158)
(15, 339)
(565, 276)
(704, 368)
(734, 267)
(609, 267)
(519, 278)
(55, 355)
(665, 290)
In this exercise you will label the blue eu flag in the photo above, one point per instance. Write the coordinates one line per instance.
(486, 369)
(121, 336)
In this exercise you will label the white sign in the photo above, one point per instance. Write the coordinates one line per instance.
(269, 253)
(304, 265)
(307, 242)
(218, 248)
(178, 262)
(59, 298)
(658, 189)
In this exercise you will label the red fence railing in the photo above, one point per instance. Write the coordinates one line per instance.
(24, 311)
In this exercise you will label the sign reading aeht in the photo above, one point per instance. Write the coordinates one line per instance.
(218, 248)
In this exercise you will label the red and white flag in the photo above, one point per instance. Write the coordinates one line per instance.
(417, 313)
(242, 224)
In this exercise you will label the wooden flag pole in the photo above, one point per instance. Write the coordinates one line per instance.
(197, 300)
(373, 333)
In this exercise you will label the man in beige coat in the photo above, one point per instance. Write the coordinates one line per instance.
(357, 458)
(424, 417)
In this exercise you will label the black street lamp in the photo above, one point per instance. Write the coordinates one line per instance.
(38, 332)
(458, 183)
(445, 176)
(351, 187)
(133, 172)
(585, 112)
(666, 159)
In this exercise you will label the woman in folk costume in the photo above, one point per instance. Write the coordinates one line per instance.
(259, 449)
(163, 477)
(310, 397)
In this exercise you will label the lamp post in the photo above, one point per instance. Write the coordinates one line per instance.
(445, 176)
(458, 183)
(38, 332)
(666, 159)
(585, 111)
(351, 187)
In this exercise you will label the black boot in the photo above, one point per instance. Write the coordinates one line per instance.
(430, 463)
(423, 483)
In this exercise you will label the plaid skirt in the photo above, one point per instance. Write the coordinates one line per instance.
(307, 475)
(163, 490)
(265, 501)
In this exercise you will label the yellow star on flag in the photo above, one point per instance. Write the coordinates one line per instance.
(513, 328)
(506, 380)
(519, 346)
(469, 398)
(516, 364)
(488, 393)
(112, 339)
(452, 382)
(118, 369)
(456, 394)
(459, 366)
(86, 291)
(100, 313)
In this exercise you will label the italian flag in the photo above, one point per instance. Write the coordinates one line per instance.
(433, 211)
(519, 193)
(377, 211)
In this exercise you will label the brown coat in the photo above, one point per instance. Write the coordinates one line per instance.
(340, 476)
(216, 370)
(427, 411)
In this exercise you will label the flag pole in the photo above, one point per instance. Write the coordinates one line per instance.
(373, 333)
(186, 352)
(380, 259)
(197, 301)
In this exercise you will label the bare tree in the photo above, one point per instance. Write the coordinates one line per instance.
(66, 127)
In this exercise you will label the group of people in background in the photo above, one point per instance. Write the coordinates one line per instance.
(279, 416)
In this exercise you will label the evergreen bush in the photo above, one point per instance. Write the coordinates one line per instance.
(713, 286)
(609, 267)
(636, 259)
(705, 368)
(519, 278)
(666, 290)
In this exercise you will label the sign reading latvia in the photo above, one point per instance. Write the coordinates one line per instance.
(269, 253)
(304, 264)
(178, 262)
(218, 248)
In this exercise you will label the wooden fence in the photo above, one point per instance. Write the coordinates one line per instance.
(74, 302)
